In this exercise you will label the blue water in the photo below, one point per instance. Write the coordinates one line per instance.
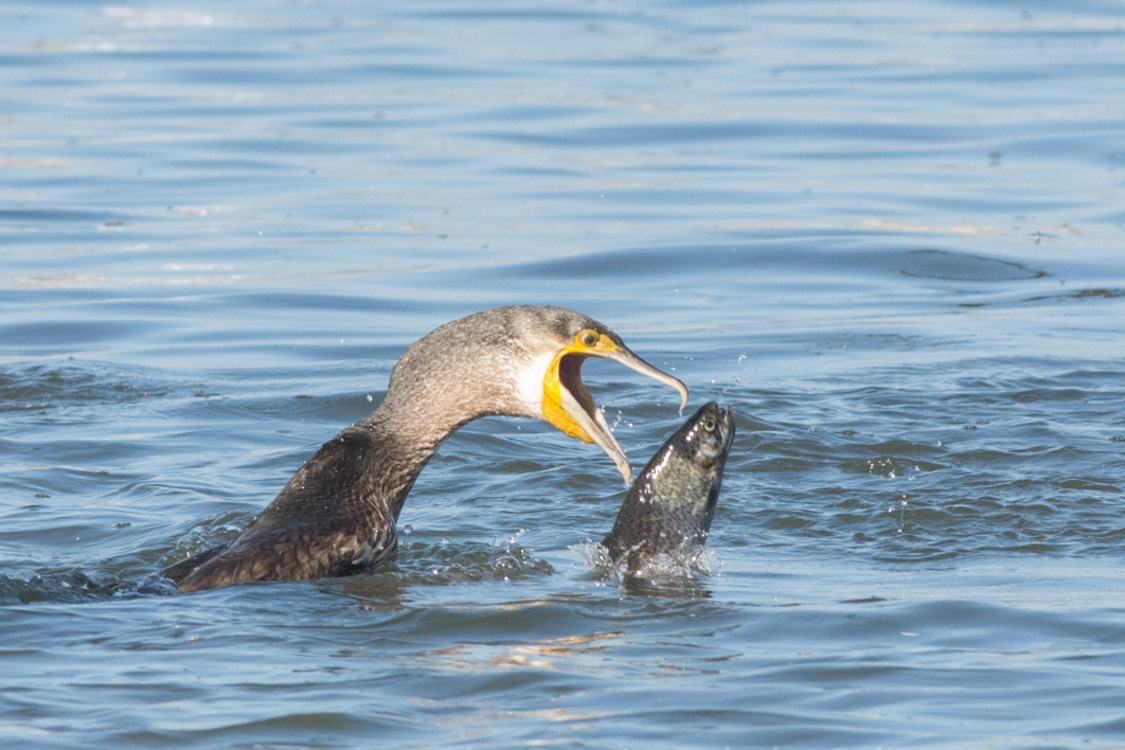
(888, 234)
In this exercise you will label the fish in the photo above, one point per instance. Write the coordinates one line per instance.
(668, 509)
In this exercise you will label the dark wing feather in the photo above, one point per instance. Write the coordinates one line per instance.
(179, 571)
(333, 518)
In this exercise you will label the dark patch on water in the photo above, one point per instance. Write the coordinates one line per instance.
(40, 387)
(953, 266)
(70, 586)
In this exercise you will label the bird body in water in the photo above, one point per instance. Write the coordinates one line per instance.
(337, 515)
(668, 510)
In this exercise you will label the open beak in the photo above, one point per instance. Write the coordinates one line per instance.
(568, 405)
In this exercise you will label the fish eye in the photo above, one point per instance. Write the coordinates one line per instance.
(588, 338)
(710, 424)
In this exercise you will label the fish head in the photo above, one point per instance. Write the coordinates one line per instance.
(708, 435)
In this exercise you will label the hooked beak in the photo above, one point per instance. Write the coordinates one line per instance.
(568, 405)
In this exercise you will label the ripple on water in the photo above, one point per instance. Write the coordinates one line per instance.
(923, 487)
(61, 587)
(887, 234)
(56, 385)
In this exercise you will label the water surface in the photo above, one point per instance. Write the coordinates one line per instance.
(889, 236)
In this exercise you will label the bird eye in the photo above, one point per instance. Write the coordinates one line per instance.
(588, 338)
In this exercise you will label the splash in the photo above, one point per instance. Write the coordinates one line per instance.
(742, 375)
(898, 511)
(664, 567)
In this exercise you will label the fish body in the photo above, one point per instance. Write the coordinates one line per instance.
(669, 508)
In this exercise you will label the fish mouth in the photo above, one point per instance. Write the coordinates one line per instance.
(569, 406)
(726, 422)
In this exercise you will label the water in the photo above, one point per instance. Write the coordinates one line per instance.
(888, 234)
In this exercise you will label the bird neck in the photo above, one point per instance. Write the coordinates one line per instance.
(444, 380)
(432, 394)
(409, 426)
(414, 428)
(389, 460)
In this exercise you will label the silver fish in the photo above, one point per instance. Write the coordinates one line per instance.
(669, 507)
